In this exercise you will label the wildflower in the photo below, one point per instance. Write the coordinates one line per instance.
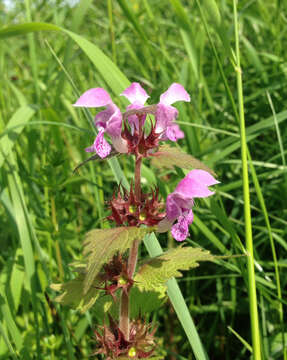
(179, 203)
(137, 96)
(107, 121)
(166, 114)
(136, 142)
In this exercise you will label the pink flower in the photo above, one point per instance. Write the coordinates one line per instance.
(107, 121)
(137, 96)
(166, 114)
(179, 203)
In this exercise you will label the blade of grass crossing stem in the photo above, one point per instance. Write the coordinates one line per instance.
(255, 331)
(118, 82)
(178, 302)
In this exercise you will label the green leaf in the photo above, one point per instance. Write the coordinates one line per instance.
(154, 274)
(168, 157)
(144, 302)
(73, 293)
(102, 244)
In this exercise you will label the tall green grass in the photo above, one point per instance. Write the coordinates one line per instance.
(46, 209)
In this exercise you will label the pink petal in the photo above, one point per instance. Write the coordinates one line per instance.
(133, 119)
(164, 117)
(189, 216)
(195, 184)
(180, 230)
(191, 188)
(95, 97)
(110, 119)
(203, 176)
(174, 133)
(100, 146)
(175, 92)
(135, 94)
(173, 208)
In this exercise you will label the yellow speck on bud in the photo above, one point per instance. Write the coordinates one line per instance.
(132, 209)
(132, 352)
(142, 217)
(122, 281)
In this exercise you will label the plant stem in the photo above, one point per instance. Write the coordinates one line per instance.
(124, 309)
(124, 315)
(138, 178)
(124, 323)
(247, 212)
(133, 257)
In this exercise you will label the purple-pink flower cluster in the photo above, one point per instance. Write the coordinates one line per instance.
(110, 120)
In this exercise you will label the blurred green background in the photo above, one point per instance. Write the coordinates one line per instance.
(46, 210)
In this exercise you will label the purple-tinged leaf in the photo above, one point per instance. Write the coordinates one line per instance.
(168, 157)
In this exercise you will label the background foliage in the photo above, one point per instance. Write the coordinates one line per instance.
(46, 210)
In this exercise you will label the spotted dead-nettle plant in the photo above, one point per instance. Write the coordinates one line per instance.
(109, 275)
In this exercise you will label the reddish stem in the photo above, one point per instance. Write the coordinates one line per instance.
(133, 257)
(124, 307)
(138, 178)
(124, 323)
(124, 310)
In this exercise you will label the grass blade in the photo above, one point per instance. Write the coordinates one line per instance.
(256, 342)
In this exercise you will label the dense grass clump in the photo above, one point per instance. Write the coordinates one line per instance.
(46, 209)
